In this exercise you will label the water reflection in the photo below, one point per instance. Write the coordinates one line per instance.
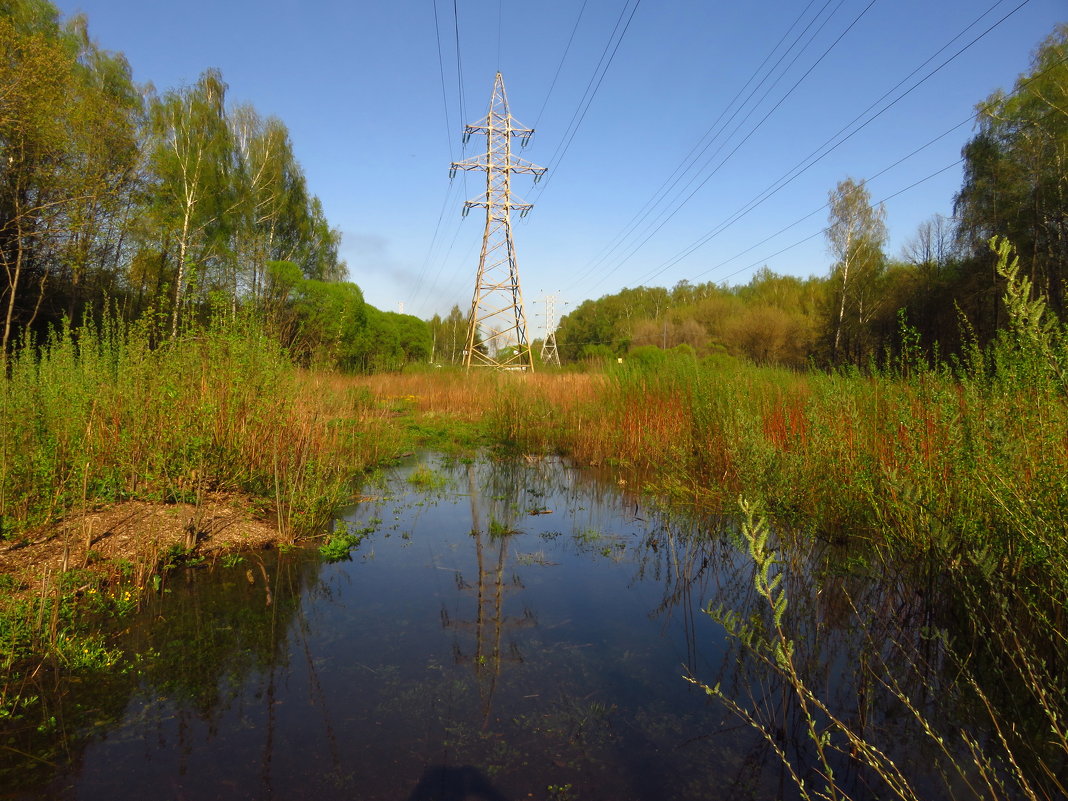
(521, 632)
(444, 783)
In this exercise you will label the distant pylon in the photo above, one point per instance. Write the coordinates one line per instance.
(548, 347)
(497, 330)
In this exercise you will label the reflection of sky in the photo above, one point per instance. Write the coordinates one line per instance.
(388, 677)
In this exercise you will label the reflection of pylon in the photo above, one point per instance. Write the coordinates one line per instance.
(490, 620)
(548, 347)
(497, 331)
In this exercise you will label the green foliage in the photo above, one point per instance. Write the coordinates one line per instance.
(232, 560)
(424, 478)
(448, 337)
(390, 341)
(1003, 650)
(770, 320)
(96, 413)
(343, 540)
(330, 318)
(855, 235)
(1031, 352)
(499, 529)
(68, 117)
(1014, 177)
(157, 202)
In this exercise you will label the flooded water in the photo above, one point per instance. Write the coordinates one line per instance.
(510, 631)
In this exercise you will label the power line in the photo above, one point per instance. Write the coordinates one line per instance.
(581, 109)
(459, 63)
(441, 73)
(418, 286)
(798, 243)
(801, 167)
(700, 149)
(560, 66)
(449, 134)
(825, 229)
(678, 207)
(665, 216)
(881, 172)
(970, 119)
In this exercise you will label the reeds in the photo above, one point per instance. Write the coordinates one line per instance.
(97, 415)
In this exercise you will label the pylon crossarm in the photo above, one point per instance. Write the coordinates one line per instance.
(519, 165)
(476, 163)
(473, 163)
(482, 204)
(498, 123)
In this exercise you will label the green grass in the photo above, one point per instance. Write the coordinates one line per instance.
(344, 539)
(426, 479)
(99, 415)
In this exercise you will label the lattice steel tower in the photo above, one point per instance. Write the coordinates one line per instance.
(549, 354)
(497, 332)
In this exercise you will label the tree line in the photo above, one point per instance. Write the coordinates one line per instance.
(943, 285)
(162, 206)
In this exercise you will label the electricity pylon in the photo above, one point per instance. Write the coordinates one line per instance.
(548, 347)
(497, 331)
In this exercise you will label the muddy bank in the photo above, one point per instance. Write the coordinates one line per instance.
(136, 535)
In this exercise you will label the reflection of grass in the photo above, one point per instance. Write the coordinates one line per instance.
(588, 536)
(535, 558)
(610, 546)
(426, 479)
(497, 529)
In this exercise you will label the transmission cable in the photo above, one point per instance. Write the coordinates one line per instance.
(801, 167)
(676, 175)
(560, 66)
(448, 135)
(825, 206)
(580, 111)
(459, 63)
(826, 228)
(665, 216)
(441, 73)
(417, 293)
(678, 207)
(970, 119)
(815, 156)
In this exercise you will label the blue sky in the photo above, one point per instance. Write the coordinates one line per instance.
(376, 117)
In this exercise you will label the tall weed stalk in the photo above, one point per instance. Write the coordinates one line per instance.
(97, 415)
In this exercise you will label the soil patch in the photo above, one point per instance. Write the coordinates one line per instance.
(139, 533)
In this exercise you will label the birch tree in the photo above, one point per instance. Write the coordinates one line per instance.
(855, 236)
(191, 160)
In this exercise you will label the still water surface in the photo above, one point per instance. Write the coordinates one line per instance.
(510, 631)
